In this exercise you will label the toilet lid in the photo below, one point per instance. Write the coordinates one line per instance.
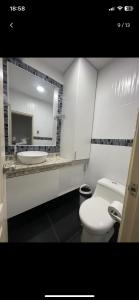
(94, 215)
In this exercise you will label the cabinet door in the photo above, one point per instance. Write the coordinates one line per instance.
(26, 192)
(69, 109)
(70, 178)
(84, 108)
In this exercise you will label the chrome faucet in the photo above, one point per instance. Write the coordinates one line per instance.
(15, 151)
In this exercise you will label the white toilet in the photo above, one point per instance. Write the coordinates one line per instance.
(94, 216)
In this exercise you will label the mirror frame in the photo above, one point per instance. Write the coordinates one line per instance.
(9, 149)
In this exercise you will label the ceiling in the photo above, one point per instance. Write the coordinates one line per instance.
(62, 63)
(26, 83)
(59, 63)
(99, 62)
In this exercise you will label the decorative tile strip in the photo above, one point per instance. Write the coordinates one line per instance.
(114, 142)
(10, 149)
(34, 71)
(42, 138)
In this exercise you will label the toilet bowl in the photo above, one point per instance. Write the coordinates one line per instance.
(94, 216)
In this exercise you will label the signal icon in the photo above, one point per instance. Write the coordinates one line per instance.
(112, 9)
(120, 7)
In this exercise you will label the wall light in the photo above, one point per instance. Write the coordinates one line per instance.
(1, 74)
(40, 89)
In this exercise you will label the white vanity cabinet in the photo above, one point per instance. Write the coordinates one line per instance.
(78, 108)
(70, 178)
(28, 191)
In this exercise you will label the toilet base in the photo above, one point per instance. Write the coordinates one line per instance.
(88, 237)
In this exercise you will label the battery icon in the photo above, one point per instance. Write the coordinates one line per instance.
(128, 8)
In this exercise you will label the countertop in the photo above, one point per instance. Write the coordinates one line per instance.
(15, 168)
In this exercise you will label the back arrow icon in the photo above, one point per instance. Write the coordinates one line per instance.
(11, 25)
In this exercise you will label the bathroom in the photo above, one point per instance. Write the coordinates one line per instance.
(65, 122)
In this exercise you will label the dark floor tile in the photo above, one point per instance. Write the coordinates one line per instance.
(28, 229)
(27, 217)
(76, 238)
(55, 221)
(115, 235)
(66, 225)
(46, 236)
(65, 204)
(65, 216)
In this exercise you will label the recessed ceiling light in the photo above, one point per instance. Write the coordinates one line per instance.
(40, 89)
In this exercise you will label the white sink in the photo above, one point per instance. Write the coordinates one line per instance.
(32, 157)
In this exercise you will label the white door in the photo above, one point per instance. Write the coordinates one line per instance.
(3, 208)
(129, 228)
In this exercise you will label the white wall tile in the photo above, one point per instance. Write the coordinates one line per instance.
(108, 161)
(116, 108)
(117, 99)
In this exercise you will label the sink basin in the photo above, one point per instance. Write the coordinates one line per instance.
(32, 157)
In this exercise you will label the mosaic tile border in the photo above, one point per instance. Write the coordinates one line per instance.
(114, 142)
(51, 149)
(42, 138)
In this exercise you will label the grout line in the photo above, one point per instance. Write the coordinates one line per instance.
(74, 235)
(94, 108)
(53, 228)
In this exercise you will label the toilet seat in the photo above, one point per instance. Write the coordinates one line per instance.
(94, 215)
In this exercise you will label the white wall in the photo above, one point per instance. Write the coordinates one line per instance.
(108, 161)
(78, 107)
(116, 107)
(85, 108)
(42, 113)
(44, 68)
(68, 107)
(117, 99)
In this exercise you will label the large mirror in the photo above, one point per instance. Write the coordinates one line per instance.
(32, 108)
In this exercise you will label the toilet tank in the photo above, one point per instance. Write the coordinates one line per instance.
(110, 190)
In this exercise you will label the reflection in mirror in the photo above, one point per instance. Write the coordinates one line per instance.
(32, 105)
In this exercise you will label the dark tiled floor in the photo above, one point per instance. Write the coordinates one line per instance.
(115, 235)
(55, 221)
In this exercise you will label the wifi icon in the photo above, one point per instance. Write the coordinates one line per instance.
(120, 7)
